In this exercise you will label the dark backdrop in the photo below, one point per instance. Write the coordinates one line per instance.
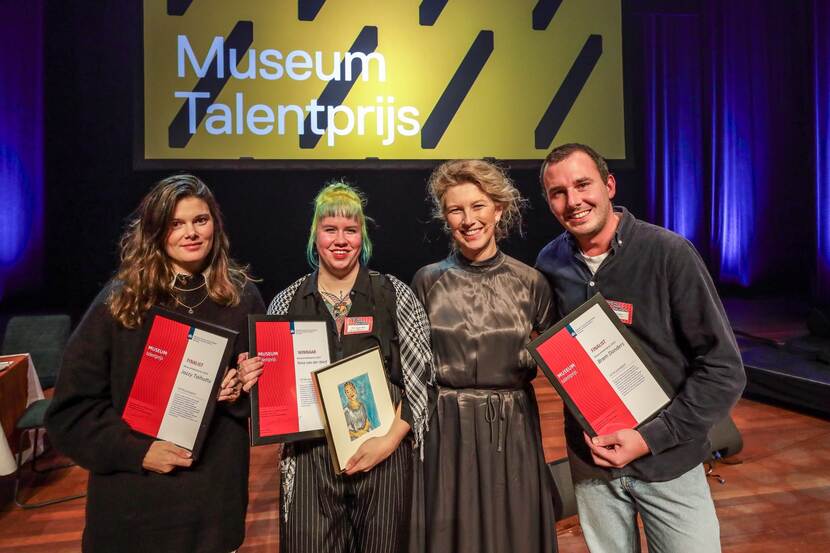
(724, 140)
(91, 186)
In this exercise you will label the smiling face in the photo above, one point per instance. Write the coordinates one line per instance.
(189, 235)
(338, 244)
(579, 199)
(471, 216)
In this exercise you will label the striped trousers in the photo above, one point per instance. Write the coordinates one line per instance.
(364, 513)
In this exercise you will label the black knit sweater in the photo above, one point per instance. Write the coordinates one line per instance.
(199, 509)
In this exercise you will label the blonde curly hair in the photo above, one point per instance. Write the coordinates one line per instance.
(490, 178)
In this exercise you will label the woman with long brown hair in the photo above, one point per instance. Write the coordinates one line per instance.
(146, 494)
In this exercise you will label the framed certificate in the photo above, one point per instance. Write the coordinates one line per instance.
(284, 406)
(354, 394)
(178, 378)
(600, 370)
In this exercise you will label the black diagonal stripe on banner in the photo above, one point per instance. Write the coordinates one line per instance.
(307, 10)
(565, 97)
(240, 40)
(429, 10)
(543, 13)
(336, 91)
(457, 89)
(178, 7)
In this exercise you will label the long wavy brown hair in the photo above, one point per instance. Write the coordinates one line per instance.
(146, 276)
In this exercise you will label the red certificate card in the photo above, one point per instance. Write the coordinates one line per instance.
(599, 370)
(178, 377)
(284, 405)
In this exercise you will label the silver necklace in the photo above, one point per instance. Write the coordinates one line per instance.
(336, 298)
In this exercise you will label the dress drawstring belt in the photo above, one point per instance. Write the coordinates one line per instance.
(496, 410)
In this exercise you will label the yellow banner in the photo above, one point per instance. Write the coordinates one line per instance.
(391, 80)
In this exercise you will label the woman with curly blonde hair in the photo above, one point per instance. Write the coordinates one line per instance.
(146, 494)
(487, 487)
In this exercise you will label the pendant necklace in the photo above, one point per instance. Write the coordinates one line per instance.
(190, 308)
(340, 303)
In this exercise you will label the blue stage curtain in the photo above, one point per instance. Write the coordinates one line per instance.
(727, 137)
(21, 146)
(673, 121)
(739, 101)
(821, 139)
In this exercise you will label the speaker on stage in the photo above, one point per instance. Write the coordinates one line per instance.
(725, 439)
(564, 500)
(724, 436)
(818, 321)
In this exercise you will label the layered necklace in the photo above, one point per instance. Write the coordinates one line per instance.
(183, 279)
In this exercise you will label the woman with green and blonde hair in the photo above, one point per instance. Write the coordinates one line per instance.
(368, 507)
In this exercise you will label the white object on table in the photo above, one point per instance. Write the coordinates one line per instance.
(8, 463)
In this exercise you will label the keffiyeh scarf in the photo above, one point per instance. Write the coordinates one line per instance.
(416, 363)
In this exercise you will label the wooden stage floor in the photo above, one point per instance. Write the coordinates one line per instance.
(776, 500)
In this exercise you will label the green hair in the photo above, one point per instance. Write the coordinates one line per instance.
(338, 199)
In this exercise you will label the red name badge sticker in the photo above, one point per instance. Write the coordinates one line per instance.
(357, 325)
(625, 311)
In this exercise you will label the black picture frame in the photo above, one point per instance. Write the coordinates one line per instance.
(596, 300)
(257, 438)
(230, 335)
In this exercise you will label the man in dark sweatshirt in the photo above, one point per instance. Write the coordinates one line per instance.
(660, 288)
